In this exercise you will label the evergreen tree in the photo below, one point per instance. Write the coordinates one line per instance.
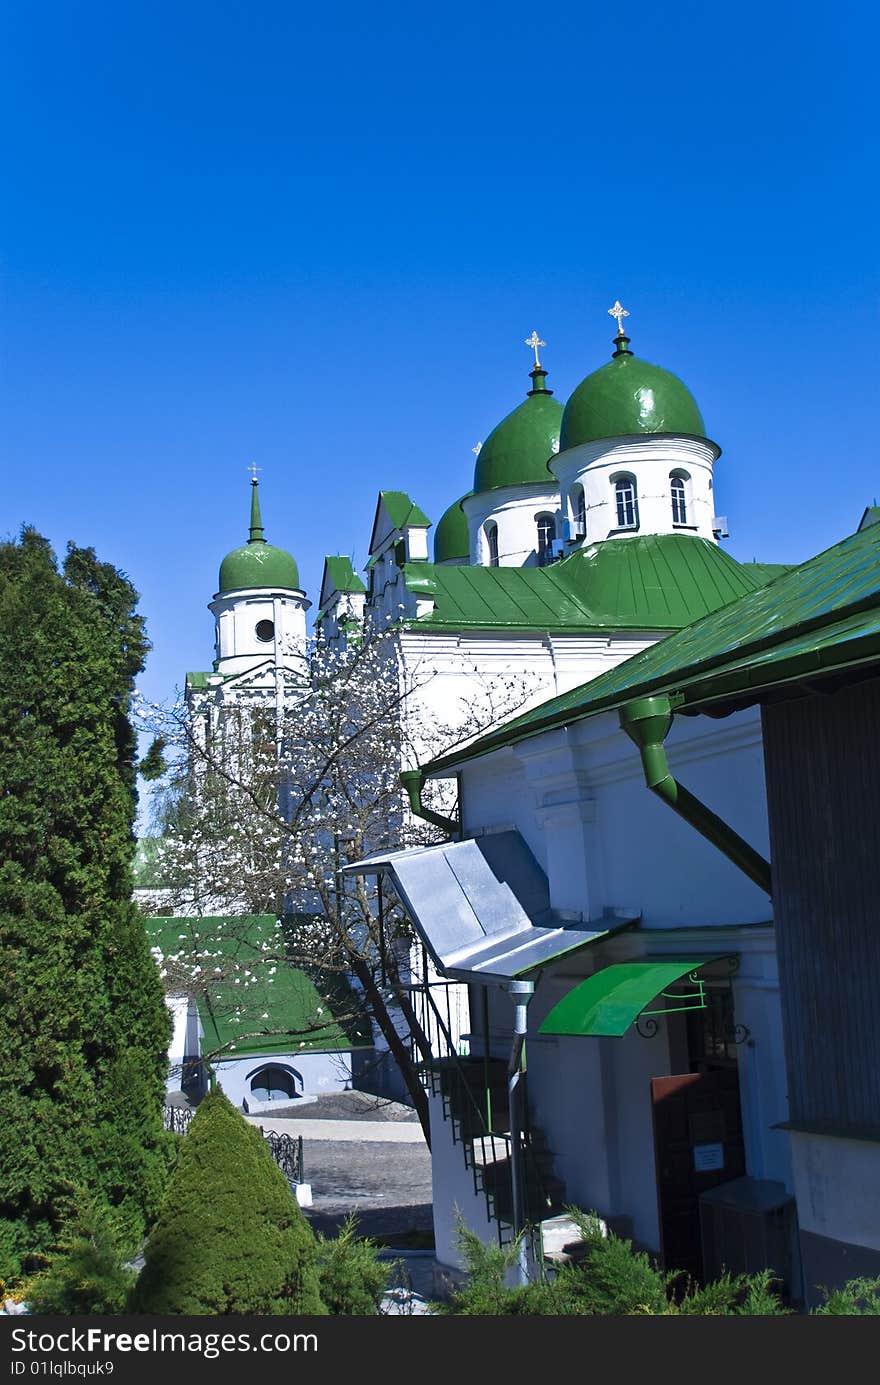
(83, 1026)
(230, 1237)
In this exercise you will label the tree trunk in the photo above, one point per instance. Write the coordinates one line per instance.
(395, 1043)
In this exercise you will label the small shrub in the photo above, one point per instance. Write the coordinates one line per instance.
(610, 1280)
(858, 1296)
(352, 1277)
(85, 1273)
(230, 1236)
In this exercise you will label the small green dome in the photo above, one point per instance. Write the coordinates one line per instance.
(257, 563)
(451, 537)
(517, 451)
(629, 396)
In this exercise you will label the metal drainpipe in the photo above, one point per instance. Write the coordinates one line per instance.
(646, 721)
(521, 992)
(413, 781)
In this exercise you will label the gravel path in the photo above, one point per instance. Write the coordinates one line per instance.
(362, 1155)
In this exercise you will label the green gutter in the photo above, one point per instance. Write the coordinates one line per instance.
(647, 721)
(413, 780)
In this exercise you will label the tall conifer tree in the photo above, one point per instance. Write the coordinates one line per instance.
(83, 1026)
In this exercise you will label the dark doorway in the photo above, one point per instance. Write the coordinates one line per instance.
(698, 1135)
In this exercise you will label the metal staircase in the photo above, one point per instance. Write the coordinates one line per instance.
(473, 1095)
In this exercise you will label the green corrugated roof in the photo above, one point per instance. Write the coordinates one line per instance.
(821, 616)
(649, 582)
(197, 680)
(290, 998)
(342, 574)
(767, 572)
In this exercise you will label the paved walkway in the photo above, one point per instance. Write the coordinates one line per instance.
(357, 1131)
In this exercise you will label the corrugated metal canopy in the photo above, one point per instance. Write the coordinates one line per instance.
(608, 1002)
(481, 908)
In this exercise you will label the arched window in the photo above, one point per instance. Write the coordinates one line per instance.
(546, 534)
(273, 1083)
(578, 502)
(491, 532)
(678, 489)
(626, 502)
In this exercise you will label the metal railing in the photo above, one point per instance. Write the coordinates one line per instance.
(485, 1148)
(286, 1150)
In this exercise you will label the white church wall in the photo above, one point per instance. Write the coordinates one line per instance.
(453, 1191)
(651, 461)
(514, 510)
(238, 616)
(578, 794)
(312, 1074)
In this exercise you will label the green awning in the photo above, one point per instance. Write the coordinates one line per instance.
(608, 1002)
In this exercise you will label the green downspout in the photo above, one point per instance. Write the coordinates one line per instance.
(647, 721)
(413, 780)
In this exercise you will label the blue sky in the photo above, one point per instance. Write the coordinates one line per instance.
(317, 240)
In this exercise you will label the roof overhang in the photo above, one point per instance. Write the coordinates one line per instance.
(482, 907)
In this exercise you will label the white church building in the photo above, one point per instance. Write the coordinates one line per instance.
(632, 947)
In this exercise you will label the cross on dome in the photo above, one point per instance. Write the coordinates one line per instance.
(253, 469)
(620, 313)
(534, 341)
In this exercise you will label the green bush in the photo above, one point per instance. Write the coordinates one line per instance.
(85, 1273)
(858, 1296)
(611, 1279)
(230, 1237)
(351, 1275)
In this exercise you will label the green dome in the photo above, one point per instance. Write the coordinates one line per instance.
(516, 452)
(451, 537)
(257, 563)
(629, 396)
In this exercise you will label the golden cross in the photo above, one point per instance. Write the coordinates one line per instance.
(253, 469)
(620, 313)
(534, 341)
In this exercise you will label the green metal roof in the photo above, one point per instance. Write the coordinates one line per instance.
(644, 582)
(451, 539)
(517, 450)
(820, 617)
(609, 1001)
(629, 396)
(767, 572)
(403, 511)
(199, 681)
(290, 998)
(342, 574)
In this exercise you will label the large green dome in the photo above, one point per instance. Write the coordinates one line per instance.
(517, 451)
(451, 537)
(257, 563)
(629, 396)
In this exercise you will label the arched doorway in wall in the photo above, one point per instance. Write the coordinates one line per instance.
(275, 1082)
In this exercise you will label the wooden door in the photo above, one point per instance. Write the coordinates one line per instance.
(698, 1143)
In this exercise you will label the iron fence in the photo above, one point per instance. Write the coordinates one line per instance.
(286, 1150)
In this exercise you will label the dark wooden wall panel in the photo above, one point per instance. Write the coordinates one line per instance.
(822, 758)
